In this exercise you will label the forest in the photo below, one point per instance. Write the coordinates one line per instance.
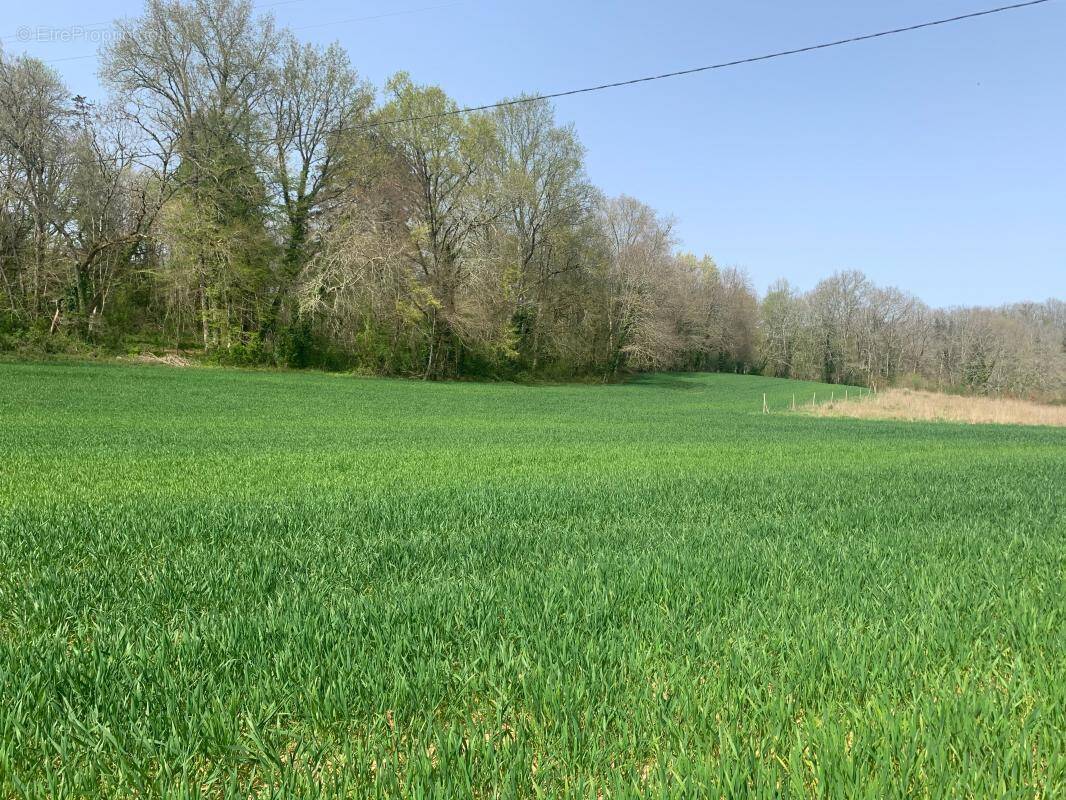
(249, 197)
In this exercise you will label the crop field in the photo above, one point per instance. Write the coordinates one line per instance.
(249, 584)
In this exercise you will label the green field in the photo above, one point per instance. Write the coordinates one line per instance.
(220, 583)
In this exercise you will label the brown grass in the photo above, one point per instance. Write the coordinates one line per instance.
(170, 359)
(933, 407)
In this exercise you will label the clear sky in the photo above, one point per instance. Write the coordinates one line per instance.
(934, 161)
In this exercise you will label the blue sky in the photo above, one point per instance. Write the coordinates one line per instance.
(934, 161)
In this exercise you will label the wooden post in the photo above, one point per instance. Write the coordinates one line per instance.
(765, 410)
(793, 402)
(55, 320)
(814, 399)
(845, 393)
(832, 396)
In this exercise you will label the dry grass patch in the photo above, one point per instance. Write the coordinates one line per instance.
(931, 406)
(169, 358)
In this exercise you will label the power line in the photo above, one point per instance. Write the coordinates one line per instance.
(334, 23)
(723, 65)
(633, 81)
(308, 27)
(27, 30)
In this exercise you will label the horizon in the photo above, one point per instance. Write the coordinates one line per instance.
(861, 213)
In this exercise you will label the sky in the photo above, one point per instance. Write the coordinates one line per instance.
(934, 161)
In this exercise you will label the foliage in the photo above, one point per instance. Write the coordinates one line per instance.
(848, 330)
(247, 193)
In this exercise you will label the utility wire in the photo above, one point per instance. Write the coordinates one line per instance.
(537, 98)
(723, 65)
(348, 21)
(26, 32)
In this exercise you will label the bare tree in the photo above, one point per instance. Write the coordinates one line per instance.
(637, 254)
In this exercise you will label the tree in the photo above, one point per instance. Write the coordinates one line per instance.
(113, 209)
(36, 167)
(781, 319)
(316, 99)
(836, 305)
(545, 196)
(196, 76)
(238, 191)
(215, 227)
(439, 159)
(637, 244)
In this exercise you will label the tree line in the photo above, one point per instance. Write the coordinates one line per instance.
(243, 193)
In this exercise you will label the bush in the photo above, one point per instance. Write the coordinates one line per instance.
(36, 340)
(248, 353)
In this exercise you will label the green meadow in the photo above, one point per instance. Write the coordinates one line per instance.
(252, 584)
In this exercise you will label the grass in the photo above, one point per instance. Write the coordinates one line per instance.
(218, 583)
(935, 407)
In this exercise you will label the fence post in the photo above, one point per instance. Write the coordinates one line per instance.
(765, 410)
